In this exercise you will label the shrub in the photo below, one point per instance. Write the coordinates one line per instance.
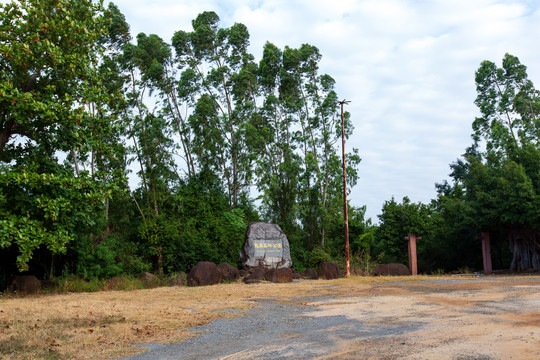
(317, 256)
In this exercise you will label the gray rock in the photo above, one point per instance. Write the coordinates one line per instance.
(265, 245)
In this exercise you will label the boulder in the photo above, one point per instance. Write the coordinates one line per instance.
(28, 284)
(279, 275)
(310, 274)
(393, 269)
(328, 271)
(203, 274)
(265, 245)
(256, 275)
(146, 277)
(228, 272)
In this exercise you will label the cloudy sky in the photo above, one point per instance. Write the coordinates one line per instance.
(406, 66)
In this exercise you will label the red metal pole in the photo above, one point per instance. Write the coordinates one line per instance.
(345, 209)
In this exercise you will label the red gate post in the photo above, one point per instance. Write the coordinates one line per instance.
(413, 267)
(486, 253)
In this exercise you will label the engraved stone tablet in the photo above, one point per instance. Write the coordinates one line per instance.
(265, 245)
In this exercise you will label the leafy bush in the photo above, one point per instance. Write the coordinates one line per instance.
(362, 259)
(104, 258)
(317, 256)
(99, 263)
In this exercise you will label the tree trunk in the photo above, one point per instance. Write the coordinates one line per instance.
(76, 162)
(5, 134)
(160, 259)
(525, 251)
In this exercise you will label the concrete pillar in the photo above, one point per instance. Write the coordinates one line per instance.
(486, 253)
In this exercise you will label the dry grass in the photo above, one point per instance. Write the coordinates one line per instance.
(105, 324)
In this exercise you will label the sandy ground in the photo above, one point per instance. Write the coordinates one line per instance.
(484, 318)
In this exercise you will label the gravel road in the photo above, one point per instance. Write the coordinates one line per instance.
(457, 319)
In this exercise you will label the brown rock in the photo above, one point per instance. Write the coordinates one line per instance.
(282, 275)
(146, 277)
(203, 274)
(28, 284)
(393, 269)
(228, 272)
(310, 274)
(328, 271)
(257, 274)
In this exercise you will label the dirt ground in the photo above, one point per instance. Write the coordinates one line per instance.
(451, 318)
(492, 317)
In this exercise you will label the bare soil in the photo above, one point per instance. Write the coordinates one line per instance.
(479, 319)
(362, 317)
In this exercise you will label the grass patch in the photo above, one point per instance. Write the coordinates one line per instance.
(465, 270)
(77, 284)
(73, 283)
(438, 272)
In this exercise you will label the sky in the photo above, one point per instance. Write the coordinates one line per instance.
(406, 66)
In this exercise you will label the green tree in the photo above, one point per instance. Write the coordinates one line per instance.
(298, 129)
(504, 182)
(48, 71)
(270, 133)
(222, 98)
(496, 184)
(398, 220)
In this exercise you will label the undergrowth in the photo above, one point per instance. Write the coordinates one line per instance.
(77, 284)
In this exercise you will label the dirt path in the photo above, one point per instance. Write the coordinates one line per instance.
(489, 318)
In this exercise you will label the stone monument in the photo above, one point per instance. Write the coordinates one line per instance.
(265, 245)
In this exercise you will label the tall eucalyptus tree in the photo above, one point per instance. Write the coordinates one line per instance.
(300, 128)
(218, 80)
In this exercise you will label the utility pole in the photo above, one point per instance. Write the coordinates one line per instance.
(345, 209)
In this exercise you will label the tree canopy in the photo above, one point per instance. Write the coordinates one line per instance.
(496, 184)
(494, 187)
(53, 103)
(197, 121)
(212, 139)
